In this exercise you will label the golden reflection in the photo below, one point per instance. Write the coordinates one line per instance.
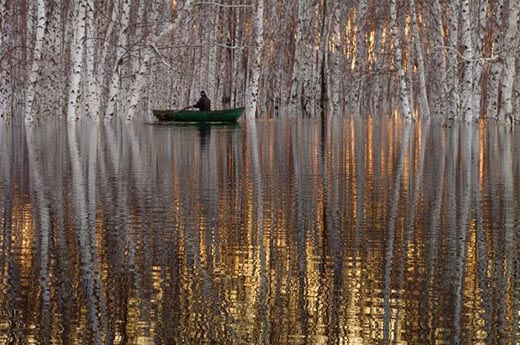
(295, 248)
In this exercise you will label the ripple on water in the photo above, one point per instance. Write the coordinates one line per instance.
(289, 232)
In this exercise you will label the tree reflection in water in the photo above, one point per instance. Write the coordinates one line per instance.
(268, 232)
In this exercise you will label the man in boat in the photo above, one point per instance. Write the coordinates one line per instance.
(204, 103)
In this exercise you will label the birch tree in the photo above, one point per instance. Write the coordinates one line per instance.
(404, 100)
(148, 54)
(99, 56)
(509, 64)
(452, 71)
(335, 55)
(77, 49)
(439, 74)
(478, 55)
(496, 66)
(324, 59)
(5, 76)
(360, 52)
(256, 59)
(467, 54)
(423, 95)
(301, 64)
(35, 65)
(93, 101)
(380, 43)
(5, 94)
(114, 90)
(212, 59)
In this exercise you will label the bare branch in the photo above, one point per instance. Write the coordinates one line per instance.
(162, 57)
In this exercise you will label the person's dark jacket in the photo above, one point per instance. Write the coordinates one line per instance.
(203, 104)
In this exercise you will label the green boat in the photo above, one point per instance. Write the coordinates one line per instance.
(227, 115)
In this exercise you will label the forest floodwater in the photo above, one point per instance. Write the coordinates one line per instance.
(270, 231)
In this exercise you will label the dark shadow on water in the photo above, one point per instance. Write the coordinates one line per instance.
(203, 128)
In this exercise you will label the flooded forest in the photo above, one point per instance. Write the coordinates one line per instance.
(99, 60)
(369, 194)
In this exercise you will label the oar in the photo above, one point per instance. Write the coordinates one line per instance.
(185, 108)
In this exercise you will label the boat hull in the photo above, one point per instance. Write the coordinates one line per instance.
(227, 115)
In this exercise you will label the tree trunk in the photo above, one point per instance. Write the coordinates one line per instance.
(404, 100)
(478, 65)
(379, 50)
(409, 69)
(78, 44)
(439, 73)
(148, 54)
(93, 100)
(255, 60)
(114, 90)
(53, 75)
(335, 57)
(324, 59)
(495, 73)
(423, 93)
(300, 68)
(5, 74)
(467, 54)
(212, 71)
(105, 31)
(452, 69)
(35, 67)
(509, 63)
(360, 57)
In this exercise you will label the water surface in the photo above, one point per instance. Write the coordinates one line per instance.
(280, 231)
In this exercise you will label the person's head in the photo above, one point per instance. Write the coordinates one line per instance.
(202, 94)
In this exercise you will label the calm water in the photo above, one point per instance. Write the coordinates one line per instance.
(281, 232)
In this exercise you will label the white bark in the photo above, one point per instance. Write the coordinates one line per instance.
(107, 41)
(5, 77)
(114, 90)
(452, 69)
(380, 41)
(496, 67)
(52, 76)
(4, 22)
(360, 58)
(440, 88)
(5, 95)
(78, 44)
(35, 68)
(509, 67)
(149, 52)
(93, 101)
(256, 60)
(467, 54)
(478, 64)
(408, 47)
(310, 70)
(301, 68)
(335, 55)
(138, 35)
(404, 100)
(423, 94)
(212, 63)
(323, 63)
